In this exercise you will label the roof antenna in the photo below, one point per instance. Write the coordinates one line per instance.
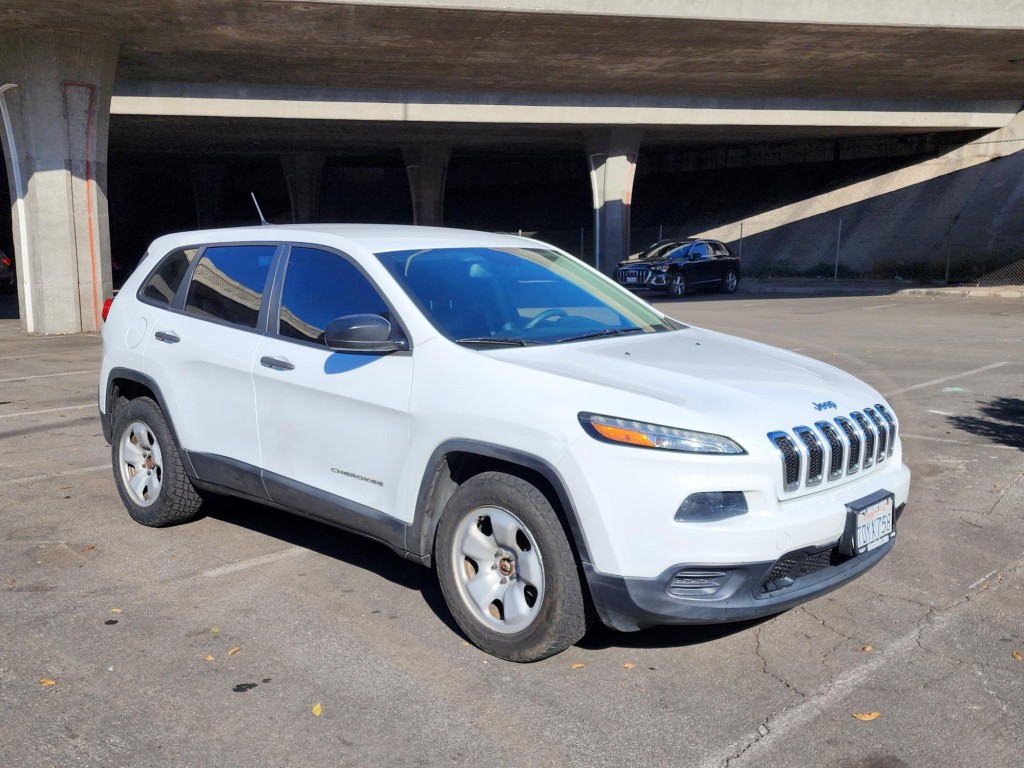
(263, 221)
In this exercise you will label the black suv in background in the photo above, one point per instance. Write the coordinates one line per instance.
(675, 266)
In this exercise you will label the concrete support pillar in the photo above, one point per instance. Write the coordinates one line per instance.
(611, 155)
(302, 174)
(208, 192)
(55, 90)
(427, 167)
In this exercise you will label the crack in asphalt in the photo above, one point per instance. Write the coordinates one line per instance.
(811, 705)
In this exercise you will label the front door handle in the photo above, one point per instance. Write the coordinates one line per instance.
(277, 363)
(169, 337)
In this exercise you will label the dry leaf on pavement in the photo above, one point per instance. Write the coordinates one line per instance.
(89, 548)
(317, 710)
(234, 650)
(1016, 656)
(867, 715)
(577, 666)
(207, 658)
(47, 681)
(868, 648)
(628, 665)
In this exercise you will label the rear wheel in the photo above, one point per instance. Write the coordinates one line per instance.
(507, 571)
(676, 285)
(730, 281)
(147, 467)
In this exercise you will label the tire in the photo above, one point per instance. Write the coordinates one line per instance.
(147, 467)
(506, 569)
(730, 281)
(676, 285)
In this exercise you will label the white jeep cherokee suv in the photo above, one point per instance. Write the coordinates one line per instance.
(489, 405)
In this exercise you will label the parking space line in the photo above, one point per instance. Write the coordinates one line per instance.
(944, 379)
(878, 306)
(49, 375)
(986, 446)
(53, 475)
(242, 565)
(46, 410)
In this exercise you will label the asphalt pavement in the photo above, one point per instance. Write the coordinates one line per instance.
(254, 638)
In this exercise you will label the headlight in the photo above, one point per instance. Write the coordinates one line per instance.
(659, 268)
(626, 432)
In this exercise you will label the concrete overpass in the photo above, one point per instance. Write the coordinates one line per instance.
(604, 78)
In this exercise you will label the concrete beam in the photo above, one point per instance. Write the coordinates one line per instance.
(197, 100)
(1004, 14)
(56, 113)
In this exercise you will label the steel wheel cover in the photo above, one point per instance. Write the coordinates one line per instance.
(140, 463)
(498, 569)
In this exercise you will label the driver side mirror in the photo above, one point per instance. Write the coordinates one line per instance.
(362, 333)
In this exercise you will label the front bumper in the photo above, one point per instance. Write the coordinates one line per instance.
(716, 594)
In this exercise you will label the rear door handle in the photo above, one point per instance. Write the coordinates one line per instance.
(169, 337)
(277, 363)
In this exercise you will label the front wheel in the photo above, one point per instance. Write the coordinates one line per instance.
(507, 571)
(147, 467)
(676, 285)
(730, 281)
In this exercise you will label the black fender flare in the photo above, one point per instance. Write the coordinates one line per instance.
(420, 534)
(107, 414)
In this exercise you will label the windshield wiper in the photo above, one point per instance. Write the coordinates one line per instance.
(598, 334)
(508, 341)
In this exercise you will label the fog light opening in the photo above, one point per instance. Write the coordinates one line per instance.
(712, 506)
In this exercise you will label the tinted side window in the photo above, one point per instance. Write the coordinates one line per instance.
(320, 286)
(228, 283)
(163, 283)
(700, 249)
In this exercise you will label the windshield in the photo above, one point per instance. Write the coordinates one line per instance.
(517, 296)
(661, 250)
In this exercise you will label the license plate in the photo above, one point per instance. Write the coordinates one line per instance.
(872, 523)
(631, 279)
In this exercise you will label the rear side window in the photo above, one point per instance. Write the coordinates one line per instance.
(228, 283)
(320, 286)
(164, 282)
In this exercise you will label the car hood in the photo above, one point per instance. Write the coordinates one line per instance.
(714, 376)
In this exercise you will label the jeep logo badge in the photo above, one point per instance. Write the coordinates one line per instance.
(824, 406)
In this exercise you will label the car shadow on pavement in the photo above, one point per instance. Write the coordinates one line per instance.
(336, 543)
(370, 556)
(601, 637)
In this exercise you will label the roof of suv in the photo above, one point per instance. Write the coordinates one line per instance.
(376, 238)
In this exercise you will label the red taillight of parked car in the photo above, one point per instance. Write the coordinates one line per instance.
(106, 308)
(6, 260)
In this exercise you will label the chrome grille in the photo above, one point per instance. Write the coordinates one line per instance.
(631, 275)
(891, 421)
(883, 434)
(832, 450)
(869, 437)
(835, 447)
(853, 439)
(815, 455)
(786, 447)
